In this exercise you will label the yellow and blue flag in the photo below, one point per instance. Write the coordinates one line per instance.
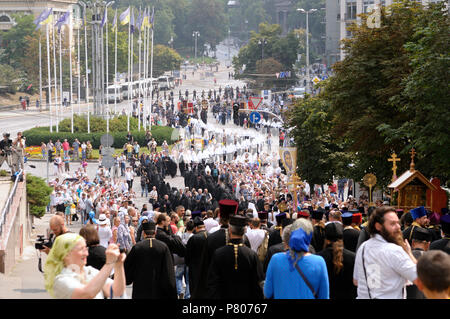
(125, 16)
(46, 17)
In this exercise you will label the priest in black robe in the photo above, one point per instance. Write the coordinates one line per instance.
(351, 234)
(235, 271)
(318, 238)
(194, 249)
(149, 268)
(214, 241)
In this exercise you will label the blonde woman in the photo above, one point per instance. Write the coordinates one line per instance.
(67, 276)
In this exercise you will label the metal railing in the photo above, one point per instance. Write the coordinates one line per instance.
(8, 203)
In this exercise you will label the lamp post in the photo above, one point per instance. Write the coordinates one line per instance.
(307, 44)
(262, 42)
(195, 34)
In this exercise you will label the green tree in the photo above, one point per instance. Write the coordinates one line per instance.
(38, 195)
(319, 157)
(165, 59)
(15, 40)
(426, 91)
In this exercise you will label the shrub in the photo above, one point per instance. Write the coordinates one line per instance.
(38, 195)
(36, 136)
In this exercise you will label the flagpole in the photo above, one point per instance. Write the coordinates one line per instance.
(139, 77)
(40, 72)
(87, 74)
(151, 80)
(115, 65)
(49, 80)
(54, 75)
(129, 80)
(144, 111)
(78, 70)
(132, 58)
(70, 74)
(61, 110)
(107, 70)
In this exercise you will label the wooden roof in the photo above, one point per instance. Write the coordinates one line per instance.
(407, 177)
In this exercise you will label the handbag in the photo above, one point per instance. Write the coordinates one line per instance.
(306, 280)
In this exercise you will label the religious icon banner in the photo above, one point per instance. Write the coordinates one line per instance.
(288, 156)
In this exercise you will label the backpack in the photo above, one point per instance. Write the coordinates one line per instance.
(262, 249)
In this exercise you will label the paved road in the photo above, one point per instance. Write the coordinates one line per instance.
(25, 281)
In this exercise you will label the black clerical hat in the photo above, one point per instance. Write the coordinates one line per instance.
(263, 215)
(195, 214)
(228, 207)
(445, 224)
(238, 220)
(334, 231)
(279, 218)
(149, 226)
(317, 214)
(198, 221)
(421, 234)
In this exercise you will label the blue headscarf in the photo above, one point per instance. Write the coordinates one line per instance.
(91, 216)
(299, 242)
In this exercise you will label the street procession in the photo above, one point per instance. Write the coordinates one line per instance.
(194, 151)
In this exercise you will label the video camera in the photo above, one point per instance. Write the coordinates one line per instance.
(41, 242)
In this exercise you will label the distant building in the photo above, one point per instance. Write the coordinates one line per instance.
(339, 15)
(35, 7)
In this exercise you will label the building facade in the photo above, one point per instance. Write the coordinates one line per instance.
(339, 15)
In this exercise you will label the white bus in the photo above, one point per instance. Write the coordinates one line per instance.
(125, 87)
(163, 83)
(114, 93)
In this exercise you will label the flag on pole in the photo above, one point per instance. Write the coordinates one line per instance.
(114, 24)
(64, 19)
(139, 21)
(45, 17)
(145, 21)
(125, 16)
(104, 19)
(152, 18)
(132, 23)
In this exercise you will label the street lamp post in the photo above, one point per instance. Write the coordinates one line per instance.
(262, 42)
(307, 44)
(195, 34)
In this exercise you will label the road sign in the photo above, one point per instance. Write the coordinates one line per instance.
(107, 140)
(316, 80)
(255, 117)
(108, 151)
(254, 102)
(108, 161)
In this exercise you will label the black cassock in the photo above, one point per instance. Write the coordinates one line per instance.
(275, 236)
(149, 268)
(194, 249)
(214, 241)
(318, 238)
(272, 250)
(351, 236)
(235, 278)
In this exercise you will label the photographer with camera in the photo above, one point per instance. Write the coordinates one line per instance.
(18, 151)
(6, 150)
(57, 228)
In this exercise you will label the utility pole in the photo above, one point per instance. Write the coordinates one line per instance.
(307, 46)
(195, 34)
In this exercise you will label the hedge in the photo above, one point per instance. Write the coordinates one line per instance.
(37, 135)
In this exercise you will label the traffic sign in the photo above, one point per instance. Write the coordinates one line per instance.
(255, 117)
(316, 80)
(254, 102)
(107, 140)
(108, 161)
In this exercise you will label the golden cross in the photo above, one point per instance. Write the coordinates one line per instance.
(296, 181)
(394, 159)
(413, 154)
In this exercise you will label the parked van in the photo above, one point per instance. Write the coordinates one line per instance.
(114, 93)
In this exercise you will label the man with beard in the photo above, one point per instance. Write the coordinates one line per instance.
(384, 263)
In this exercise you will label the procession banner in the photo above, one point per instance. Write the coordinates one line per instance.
(288, 156)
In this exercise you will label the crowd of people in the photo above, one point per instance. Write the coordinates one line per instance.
(235, 230)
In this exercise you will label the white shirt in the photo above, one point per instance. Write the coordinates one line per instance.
(388, 269)
(68, 280)
(104, 234)
(255, 237)
(210, 223)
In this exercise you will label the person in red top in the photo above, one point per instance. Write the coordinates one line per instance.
(174, 218)
(333, 188)
(281, 138)
(66, 147)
